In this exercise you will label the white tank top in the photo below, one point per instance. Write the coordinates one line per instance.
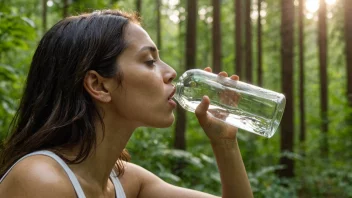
(79, 192)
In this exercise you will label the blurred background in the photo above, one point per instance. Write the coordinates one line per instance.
(302, 48)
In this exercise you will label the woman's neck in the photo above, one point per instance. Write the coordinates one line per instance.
(96, 168)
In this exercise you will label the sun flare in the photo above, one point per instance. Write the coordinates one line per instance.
(313, 5)
(330, 2)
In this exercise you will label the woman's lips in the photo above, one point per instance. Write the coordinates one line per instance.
(172, 93)
(172, 103)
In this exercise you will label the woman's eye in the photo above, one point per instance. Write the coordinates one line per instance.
(150, 62)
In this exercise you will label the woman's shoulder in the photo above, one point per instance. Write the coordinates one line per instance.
(136, 180)
(133, 172)
(37, 175)
(131, 179)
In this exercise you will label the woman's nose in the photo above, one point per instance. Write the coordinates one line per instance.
(170, 74)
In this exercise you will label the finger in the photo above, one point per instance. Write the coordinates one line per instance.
(208, 69)
(201, 110)
(223, 74)
(235, 77)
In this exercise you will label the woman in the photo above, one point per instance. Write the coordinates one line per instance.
(93, 80)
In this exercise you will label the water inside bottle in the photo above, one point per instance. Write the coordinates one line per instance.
(235, 117)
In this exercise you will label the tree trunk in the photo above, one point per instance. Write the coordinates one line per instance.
(259, 35)
(216, 37)
(248, 42)
(323, 77)
(44, 11)
(302, 133)
(180, 129)
(65, 9)
(191, 45)
(180, 142)
(139, 6)
(238, 37)
(158, 24)
(287, 127)
(348, 37)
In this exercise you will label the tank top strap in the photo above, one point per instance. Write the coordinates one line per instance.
(71, 175)
(120, 193)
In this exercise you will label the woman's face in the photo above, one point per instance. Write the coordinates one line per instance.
(144, 95)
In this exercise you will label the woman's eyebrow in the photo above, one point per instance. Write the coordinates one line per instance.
(150, 48)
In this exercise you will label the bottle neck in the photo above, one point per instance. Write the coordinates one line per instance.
(178, 88)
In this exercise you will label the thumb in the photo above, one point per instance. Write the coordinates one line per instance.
(201, 110)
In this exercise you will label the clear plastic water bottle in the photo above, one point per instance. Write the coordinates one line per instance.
(245, 106)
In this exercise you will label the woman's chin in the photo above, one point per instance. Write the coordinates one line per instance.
(165, 123)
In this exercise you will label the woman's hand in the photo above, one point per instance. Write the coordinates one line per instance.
(217, 130)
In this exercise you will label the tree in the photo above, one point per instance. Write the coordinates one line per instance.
(139, 6)
(180, 142)
(65, 9)
(302, 132)
(322, 39)
(348, 38)
(238, 37)
(259, 45)
(287, 126)
(44, 12)
(248, 45)
(216, 37)
(158, 24)
(190, 61)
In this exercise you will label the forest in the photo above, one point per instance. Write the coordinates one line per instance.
(301, 48)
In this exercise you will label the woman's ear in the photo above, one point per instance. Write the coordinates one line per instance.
(94, 85)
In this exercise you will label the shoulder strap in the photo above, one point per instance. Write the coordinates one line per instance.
(117, 184)
(71, 175)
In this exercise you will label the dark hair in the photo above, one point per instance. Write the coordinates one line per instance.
(55, 110)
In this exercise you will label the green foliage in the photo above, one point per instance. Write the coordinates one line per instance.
(266, 184)
(16, 32)
(320, 178)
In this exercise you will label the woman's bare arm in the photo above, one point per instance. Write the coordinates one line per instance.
(234, 179)
(149, 185)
